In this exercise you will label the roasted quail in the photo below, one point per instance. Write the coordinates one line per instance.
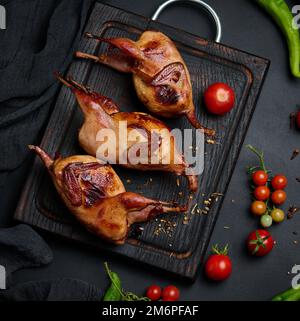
(154, 137)
(161, 78)
(94, 193)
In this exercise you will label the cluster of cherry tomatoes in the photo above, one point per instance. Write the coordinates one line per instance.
(268, 198)
(268, 192)
(169, 293)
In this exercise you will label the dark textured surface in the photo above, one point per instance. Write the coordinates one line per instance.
(248, 28)
(21, 247)
(181, 252)
(52, 290)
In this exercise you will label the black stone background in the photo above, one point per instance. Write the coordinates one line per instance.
(247, 27)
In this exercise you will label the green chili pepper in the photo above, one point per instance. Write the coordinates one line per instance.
(113, 293)
(281, 13)
(289, 295)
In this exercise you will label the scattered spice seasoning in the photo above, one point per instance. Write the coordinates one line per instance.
(216, 194)
(295, 153)
(211, 142)
(185, 221)
(292, 211)
(194, 208)
(207, 203)
(165, 226)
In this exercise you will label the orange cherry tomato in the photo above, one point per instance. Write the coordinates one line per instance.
(258, 208)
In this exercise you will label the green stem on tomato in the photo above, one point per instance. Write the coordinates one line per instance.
(220, 251)
(260, 156)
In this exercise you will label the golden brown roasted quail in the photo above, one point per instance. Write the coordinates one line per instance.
(155, 139)
(161, 78)
(94, 193)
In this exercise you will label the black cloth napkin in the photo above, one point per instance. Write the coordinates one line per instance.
(40, 38)
(21, 247)
(53, 290)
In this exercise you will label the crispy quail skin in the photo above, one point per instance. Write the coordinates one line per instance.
(161, 78)
(102, 113)
(96, 196)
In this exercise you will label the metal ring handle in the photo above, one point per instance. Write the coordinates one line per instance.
(203, 4)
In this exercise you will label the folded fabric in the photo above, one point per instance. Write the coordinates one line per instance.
(53, 290)
(40, 38)
(21, 247)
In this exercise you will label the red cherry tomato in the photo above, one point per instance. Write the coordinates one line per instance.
(260, 242)
(279, 182)
(170, 293)
(218, 267)
(261, 193)
(278, 197)
(298, 119)
(219, 98)
(153, 292)
(260, 178)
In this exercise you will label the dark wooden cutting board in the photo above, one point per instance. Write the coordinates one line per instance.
(182, 251)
